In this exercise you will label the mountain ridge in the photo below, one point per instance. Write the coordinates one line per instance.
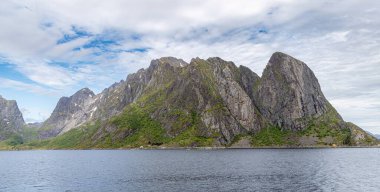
(226, 100)
(207, 102)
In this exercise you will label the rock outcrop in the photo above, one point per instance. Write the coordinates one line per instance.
(289, 92)
(70, 112)
(11, 120)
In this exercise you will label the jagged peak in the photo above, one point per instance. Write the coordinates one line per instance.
(6, 100)
(280, 54)
(62, 100)
(175, 62)
(213, 60)
(84, 91)
(284, 64)
(140, 70)
(196, 60)
(218, 60)
(279, 58)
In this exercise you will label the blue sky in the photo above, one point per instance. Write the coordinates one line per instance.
(50, 49)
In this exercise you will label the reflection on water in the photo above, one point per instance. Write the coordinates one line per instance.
(191, 170)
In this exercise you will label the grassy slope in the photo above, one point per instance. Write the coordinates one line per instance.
(143, 130)
(326, 130)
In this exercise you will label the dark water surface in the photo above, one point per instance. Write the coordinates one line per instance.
(191, 170)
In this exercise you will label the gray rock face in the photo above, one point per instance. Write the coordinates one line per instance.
(11, 120)
(69, 112)
(211, 89)
(289, 92)
(234, 96)
(249, 82)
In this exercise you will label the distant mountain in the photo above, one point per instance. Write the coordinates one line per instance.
(34, 125)
(204, 103)
(377, 136)
(11, 120)
(70, 112)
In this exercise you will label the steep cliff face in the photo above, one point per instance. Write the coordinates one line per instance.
(69, 112)
(235, 97)
(289, 92)
(209, 91)
(198, 96)
(249, 82)
(205, 103)
(11, 120)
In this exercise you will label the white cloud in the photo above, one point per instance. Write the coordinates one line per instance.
(31, 88)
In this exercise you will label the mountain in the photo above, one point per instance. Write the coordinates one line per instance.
(204, 103)
(11, 120)
(377, 136)
(69, 112)
(34, 125)
(289, 92)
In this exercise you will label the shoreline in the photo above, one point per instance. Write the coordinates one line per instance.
(198, 148)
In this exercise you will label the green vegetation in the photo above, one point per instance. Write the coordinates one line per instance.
(74, 139)
(329, 125)
(328, 129)
(14, 140)
(29, 134)
(132, 128)
(272, 136)
(208, 79)
(142, 129)
(340, 136)
(192, 136)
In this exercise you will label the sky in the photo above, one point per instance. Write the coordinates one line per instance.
(50, 49)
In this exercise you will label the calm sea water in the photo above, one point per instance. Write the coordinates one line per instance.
(191, 170)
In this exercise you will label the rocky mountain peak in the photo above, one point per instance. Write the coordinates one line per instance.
(69, 112)
(82, 95)
(217, 60)
(172, 61)
(11, 120)
(279, 58)
(196, 60)
(290, 92)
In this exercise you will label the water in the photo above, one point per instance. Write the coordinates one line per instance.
(191, 170)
